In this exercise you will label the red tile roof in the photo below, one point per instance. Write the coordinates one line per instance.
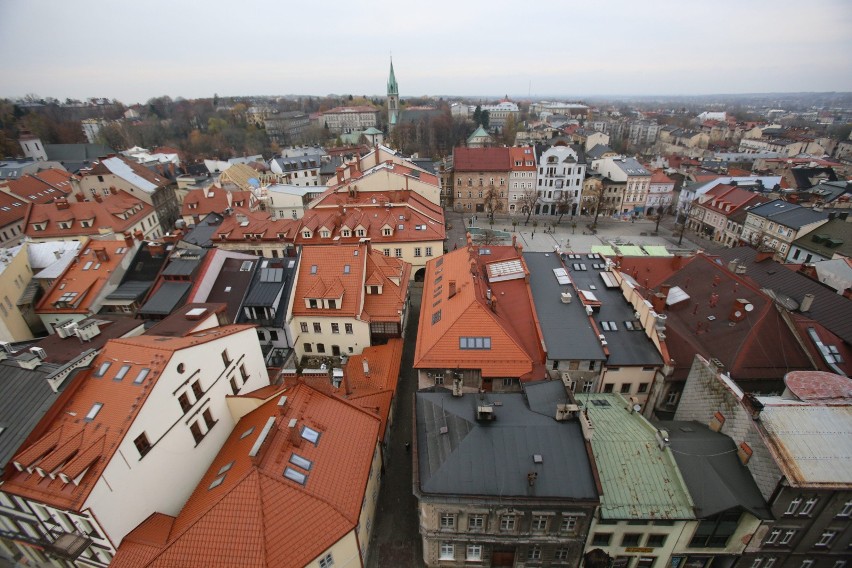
(81, 284)
(12, 209)
(84, 445)
(749, 349)
(41, 187)
(659, 176)
(512, 325)
(522, 155)
(243, 225)
(481, 160)
(330, 277)
(257, 517)
(214, 199)
(104, 214)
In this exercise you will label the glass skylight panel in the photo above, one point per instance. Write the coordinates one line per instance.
(225, 468)
(94, 411)
(141, 376)
(298, 460)
(103, 369)
(216, 482)
(121, 372)
(310, 435)
(296, 476)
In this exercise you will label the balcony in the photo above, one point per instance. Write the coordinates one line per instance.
(66, 545)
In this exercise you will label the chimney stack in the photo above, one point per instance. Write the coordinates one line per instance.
(366, 366)
(80, 197)
(62, 203)
(128, 240)
(807, 302)
(452, 290)
(295, 438)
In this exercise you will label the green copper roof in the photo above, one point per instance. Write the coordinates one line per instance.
(478, 133)
(639, 480)
(393, 89)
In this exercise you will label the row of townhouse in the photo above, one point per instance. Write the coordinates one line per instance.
(555, 180)
(89, 457)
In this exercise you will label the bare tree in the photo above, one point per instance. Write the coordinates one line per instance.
(682, 216)
(662, 213)
(528, 200)
(493, 202)
(563, 204)
(594, 198)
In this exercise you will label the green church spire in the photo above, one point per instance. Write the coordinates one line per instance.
(393, 89)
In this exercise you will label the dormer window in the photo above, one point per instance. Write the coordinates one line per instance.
(193, 205)
(65, 224)
(306, 234)
(346, 233)
(39, 226)
(325, 233)
(361, 233)
(387, 231)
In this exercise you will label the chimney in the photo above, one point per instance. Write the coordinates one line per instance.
(658, 302)
(732, 266)
(807, 302)
(128, 240)
(62, 203)
(339, 174)
(763, 254)
(494, 305)
(112, 190)
(452, 291)
(80, 197)
(140, 236)
(101, 254)
(366, 366)
(744, 452)
(98, 198)
(156, 250)
(295, 438)
(346, 386)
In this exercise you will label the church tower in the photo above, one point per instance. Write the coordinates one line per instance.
(393, 100)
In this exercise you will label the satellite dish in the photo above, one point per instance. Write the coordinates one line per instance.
(749, 307)
(637, 407)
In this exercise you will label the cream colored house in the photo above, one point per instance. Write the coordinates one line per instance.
(15, 276)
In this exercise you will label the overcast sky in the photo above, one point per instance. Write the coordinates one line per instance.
(134, 51)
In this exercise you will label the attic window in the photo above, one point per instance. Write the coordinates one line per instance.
(246, 265)
(216, 482)
(474, 343)
(143, 373)
(310, 435)
(103, 369)
(303, 463)
(313, 269)
(121, 373)
(247, 433)
(94, 411)
(346, 269)
(296, 476)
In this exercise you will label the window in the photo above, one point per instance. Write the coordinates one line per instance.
(773, 536)
(428, 251)
(103, 369)
(121, 372)
(715, 531)
(294, 475)
(317, 327)
(196, 390)
(386, 252)
(196, 432)
(474, 552)
(310, 435)
(788, 536)
(625, 388)
(561, 553)
(208, 418)
(631, 539)
(656, 540)
(226, 359)
(826, 538)
(507, 523)
(601, 539)
(794, 505)
(320, 347)
(348, 328)
(447, 551)
(539, 523)
(809, 506)
(807, 563)
(534, 552)
(142, 444)
(143, 373)
(183, 400)
(326, 561)
(569, 524)
(308, 347)
(234, 387)
(335, 328)
(448, 521)
(847, 510)
(304, 326)
(474, 522)
(643, 387)
(397, 252)
(417, 251)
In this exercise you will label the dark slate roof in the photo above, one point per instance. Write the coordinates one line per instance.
(25, 397)
(626, 347)
(544, 396)
(329, 167)
(828, 191)
(201, 234)
(298, 163)
(805, 177)
(788, 214)
(232, 284)
(494, 457)
(598, 150)
(829, 308)
(837, 233)
(76, 152)
(426, 164)
(271, 287)
(568, 335)
(130, 290)
(716, 479)
(166, 298)
(61, 350)
(183, 266)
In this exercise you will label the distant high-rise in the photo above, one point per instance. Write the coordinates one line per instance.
(393, 100)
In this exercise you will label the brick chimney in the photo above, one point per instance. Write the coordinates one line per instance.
(62, 203)
(295, 437)
(98, 198)
(80, 197)
(128, 240)
(452, 290)
(112, 190)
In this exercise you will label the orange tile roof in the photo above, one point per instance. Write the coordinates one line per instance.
(98, 215)
(93, 266)
(242, 225)
(86, 446)
(373, 390)
(512, 325)
(257, 517)
(659, 176)
(12, 209)
(203, 201)
(481, 159)
(41, 187)
(519, 154)
(330, 277)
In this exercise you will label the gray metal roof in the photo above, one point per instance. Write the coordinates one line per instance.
(568, 335)
(232, 284)
(182, 266)
(76, 152)
(716, 479)
(495, 457)
(130, 290)
(626, 347)
(788, 214)
(25, 397)
(201, 234)
(166, 298)
(829, 309)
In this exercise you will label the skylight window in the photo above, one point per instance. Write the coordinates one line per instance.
(304, 463)
(94, 411)
(225, 468)
(247, 433)
(143, 373)
(310, 435)
(103, 369)
(296, 476)
(346, 269)
(121, 372)
(216, 482)
(474, 343)
(313, 269)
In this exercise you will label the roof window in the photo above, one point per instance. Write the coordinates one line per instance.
(310, 435)
(303, 463)
(296, 476)
(94, 411)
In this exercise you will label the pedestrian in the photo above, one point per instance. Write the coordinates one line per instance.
(532, 236)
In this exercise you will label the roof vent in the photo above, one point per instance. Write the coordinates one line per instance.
(485, 412)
